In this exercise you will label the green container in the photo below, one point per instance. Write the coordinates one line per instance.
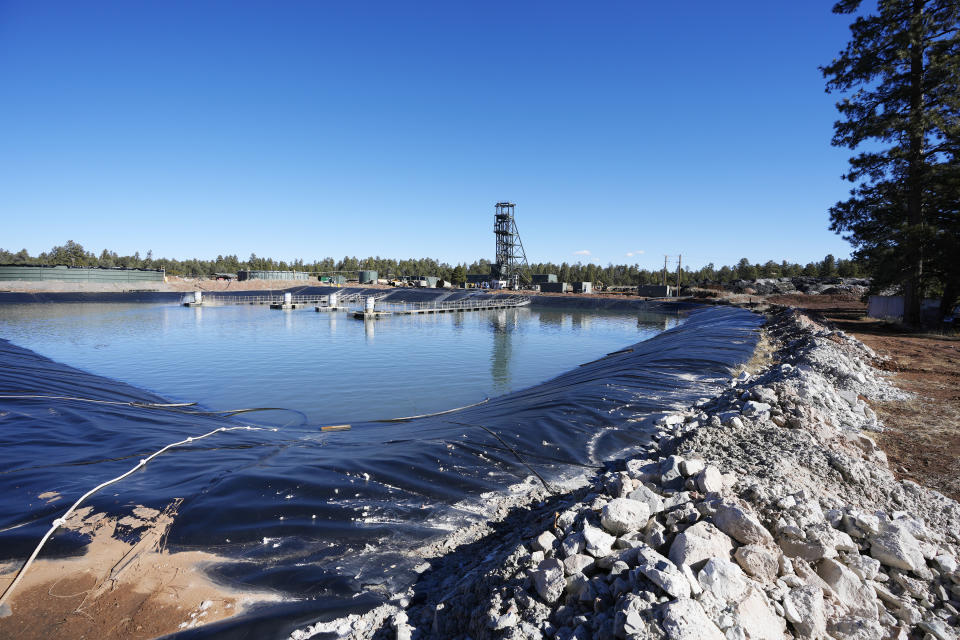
(79, 274)
(367, 277)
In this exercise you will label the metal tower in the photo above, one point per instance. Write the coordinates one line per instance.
(511, 258)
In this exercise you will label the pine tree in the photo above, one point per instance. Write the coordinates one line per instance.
(901, 70)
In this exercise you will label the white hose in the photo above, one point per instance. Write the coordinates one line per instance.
(59, 521)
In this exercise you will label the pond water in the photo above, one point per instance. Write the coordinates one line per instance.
(329, 366)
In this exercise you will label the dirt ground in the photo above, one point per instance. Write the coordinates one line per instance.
(922, 438)
(119, 589)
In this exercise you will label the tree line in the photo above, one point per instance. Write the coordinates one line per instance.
(74, 254)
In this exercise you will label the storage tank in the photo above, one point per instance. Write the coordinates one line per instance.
(367, 277)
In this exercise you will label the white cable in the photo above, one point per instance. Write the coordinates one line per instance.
(59, 521)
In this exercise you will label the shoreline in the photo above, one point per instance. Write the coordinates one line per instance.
(767, 512)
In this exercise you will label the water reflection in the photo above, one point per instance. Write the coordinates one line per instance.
(551, 318)
(368, 329)
(504, 323)
(661, 321)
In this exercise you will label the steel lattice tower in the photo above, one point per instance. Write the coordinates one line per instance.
(511, 258)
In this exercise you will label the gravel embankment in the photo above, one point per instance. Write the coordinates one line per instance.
(765, 513)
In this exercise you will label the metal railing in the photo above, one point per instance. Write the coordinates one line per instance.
(359, 300)
(458, 305)
(212, 300)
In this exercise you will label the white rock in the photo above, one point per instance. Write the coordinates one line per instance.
(653, 501)
(764, 394)
(577, 563)
(643, 470)
(628, 620)
(685, 619)
(896, 547)
(758, 619)
(855, 628)
(548, 579)
(740, 525)
(723, 579)
(544, 542)
(663, 573)
(759, 562)
(867, 522)
(597, 542)
(572, 544)
(803, 607)
(753, 408)
(692, 467)
(670, 471)
(699, 543)
(623, 515)
(865, 567)
(709, 480)
(859, 598)
(937, 628)
(945, 562)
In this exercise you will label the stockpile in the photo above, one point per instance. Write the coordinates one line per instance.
(765, 513)
(802, 284)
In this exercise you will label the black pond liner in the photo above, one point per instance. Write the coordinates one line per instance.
(327, 517)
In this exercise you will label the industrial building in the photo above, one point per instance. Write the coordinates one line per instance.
(80, 274)
(272, 275)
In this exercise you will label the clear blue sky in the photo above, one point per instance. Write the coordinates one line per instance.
(308, 129)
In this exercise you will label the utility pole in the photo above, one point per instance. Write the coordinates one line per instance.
(679, 261)
(665, 270)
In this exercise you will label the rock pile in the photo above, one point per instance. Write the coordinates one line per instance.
(802, 284)
(765, 513)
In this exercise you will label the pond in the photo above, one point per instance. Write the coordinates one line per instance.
(329, 366)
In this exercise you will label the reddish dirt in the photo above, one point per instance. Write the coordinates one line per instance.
(922, 437)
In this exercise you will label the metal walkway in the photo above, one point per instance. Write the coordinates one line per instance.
(388, 308)
(358, 303)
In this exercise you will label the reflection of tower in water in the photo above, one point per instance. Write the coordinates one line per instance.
(580, 321)
(368, 329)
(503, 323)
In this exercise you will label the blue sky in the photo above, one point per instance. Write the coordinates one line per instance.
(308, 129)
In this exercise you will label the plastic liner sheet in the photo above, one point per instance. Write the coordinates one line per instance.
(330, 517)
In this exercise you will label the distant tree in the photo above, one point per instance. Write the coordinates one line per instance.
(828, 268)
(901, 74)
(745, 270)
